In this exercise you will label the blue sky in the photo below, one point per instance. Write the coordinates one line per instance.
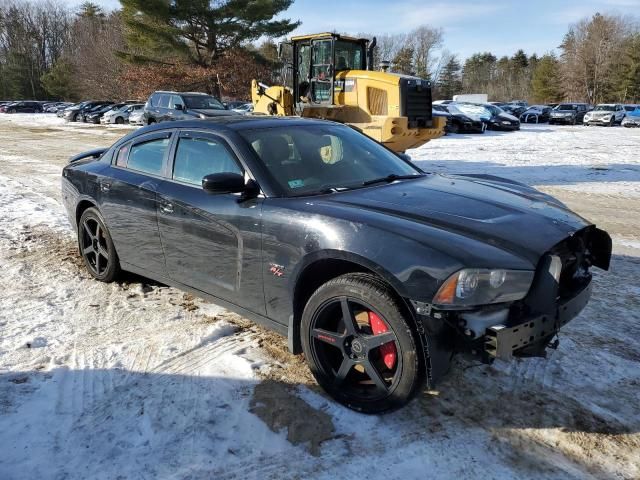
(498, 26)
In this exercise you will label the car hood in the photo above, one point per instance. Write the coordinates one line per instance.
(211, 112)
(507, 116)
(511, 216)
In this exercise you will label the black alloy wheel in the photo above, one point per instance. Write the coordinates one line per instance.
(96, 246)
(358, 344)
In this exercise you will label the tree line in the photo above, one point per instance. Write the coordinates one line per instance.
(50, 51)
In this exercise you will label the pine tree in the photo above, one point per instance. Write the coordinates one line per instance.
(450, 82)
(200, 31)
(545, 83)
(403, 61)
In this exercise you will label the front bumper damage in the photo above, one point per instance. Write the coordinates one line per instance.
(532, 336)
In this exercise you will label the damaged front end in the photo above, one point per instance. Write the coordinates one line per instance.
(560, 289)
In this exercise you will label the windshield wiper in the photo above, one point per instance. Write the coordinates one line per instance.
(391, 178)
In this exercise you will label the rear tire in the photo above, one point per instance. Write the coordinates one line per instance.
(364, 368)
(96, 247)
(120, 121)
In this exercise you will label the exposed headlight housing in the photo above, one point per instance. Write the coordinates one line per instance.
(473, 287)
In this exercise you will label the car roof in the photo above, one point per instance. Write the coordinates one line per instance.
(230, 123)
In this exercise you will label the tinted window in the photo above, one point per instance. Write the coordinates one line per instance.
(197, 157)
(148, 156)
(202, 102)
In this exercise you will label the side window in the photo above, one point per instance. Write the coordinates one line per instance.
(121, 156)
(148, 156)
(163, 101)
(153, 101)
(175, 100)
(197, 157)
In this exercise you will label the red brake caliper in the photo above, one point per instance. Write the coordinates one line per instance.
(388, 350)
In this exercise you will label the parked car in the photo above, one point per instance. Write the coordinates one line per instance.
(170, 106)
(522, 103)
(23, 106)
(440, 111)
(322, 234)
(632, 119)
(631, 108)
(233, 104)
(244, 109)
(513, 109)
(494, 117)
(607, 114)
(77, 111)
(568, 113)
(121, 115)
(552, 105)
(460, 122)
(137, 117)
(536, 114)
(96, 114)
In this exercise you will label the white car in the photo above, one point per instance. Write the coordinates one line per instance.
(121, 115)
(605, 114)
(137, 117)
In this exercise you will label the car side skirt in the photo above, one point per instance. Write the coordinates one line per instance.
(255, 317)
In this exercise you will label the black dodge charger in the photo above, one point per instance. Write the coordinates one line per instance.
(374, 269)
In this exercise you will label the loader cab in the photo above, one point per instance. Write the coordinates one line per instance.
(315, 60)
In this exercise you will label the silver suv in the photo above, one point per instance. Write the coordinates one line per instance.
(605, 114)
(168, 106)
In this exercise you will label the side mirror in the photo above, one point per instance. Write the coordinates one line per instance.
(226, 182)
(179, 106)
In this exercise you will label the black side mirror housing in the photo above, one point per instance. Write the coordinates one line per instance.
(226, 182)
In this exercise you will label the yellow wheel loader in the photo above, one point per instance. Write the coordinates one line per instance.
(326, 76)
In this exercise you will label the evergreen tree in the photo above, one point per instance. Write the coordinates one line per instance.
(546, 83)
(58, 82)
(450, 82)
(200, 30)
(403, 61)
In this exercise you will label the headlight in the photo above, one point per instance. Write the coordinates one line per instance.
(472, 287)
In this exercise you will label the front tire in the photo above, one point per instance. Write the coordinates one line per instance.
(96, 247)
(120, 121)
(359, 345)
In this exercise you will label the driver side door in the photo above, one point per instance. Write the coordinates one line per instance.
(211, 242)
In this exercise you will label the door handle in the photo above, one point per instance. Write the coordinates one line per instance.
(105, 186)
(166, 207)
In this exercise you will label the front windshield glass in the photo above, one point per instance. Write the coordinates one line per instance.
(313, 159)
(566, 106)
(202, 102)
(473, 110)
(604, 108)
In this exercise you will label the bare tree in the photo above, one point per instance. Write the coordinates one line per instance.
(425, 41)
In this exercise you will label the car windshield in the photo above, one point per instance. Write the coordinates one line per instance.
(473, 110)
(566, 106)
(604, 108)
(314, 159)
(630, 108)
(203, 102)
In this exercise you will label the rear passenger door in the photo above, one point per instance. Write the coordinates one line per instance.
(211, 242)
(127, 191)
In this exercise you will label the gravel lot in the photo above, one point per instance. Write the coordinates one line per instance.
(139, 380)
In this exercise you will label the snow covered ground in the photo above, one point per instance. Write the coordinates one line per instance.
(138, 380)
